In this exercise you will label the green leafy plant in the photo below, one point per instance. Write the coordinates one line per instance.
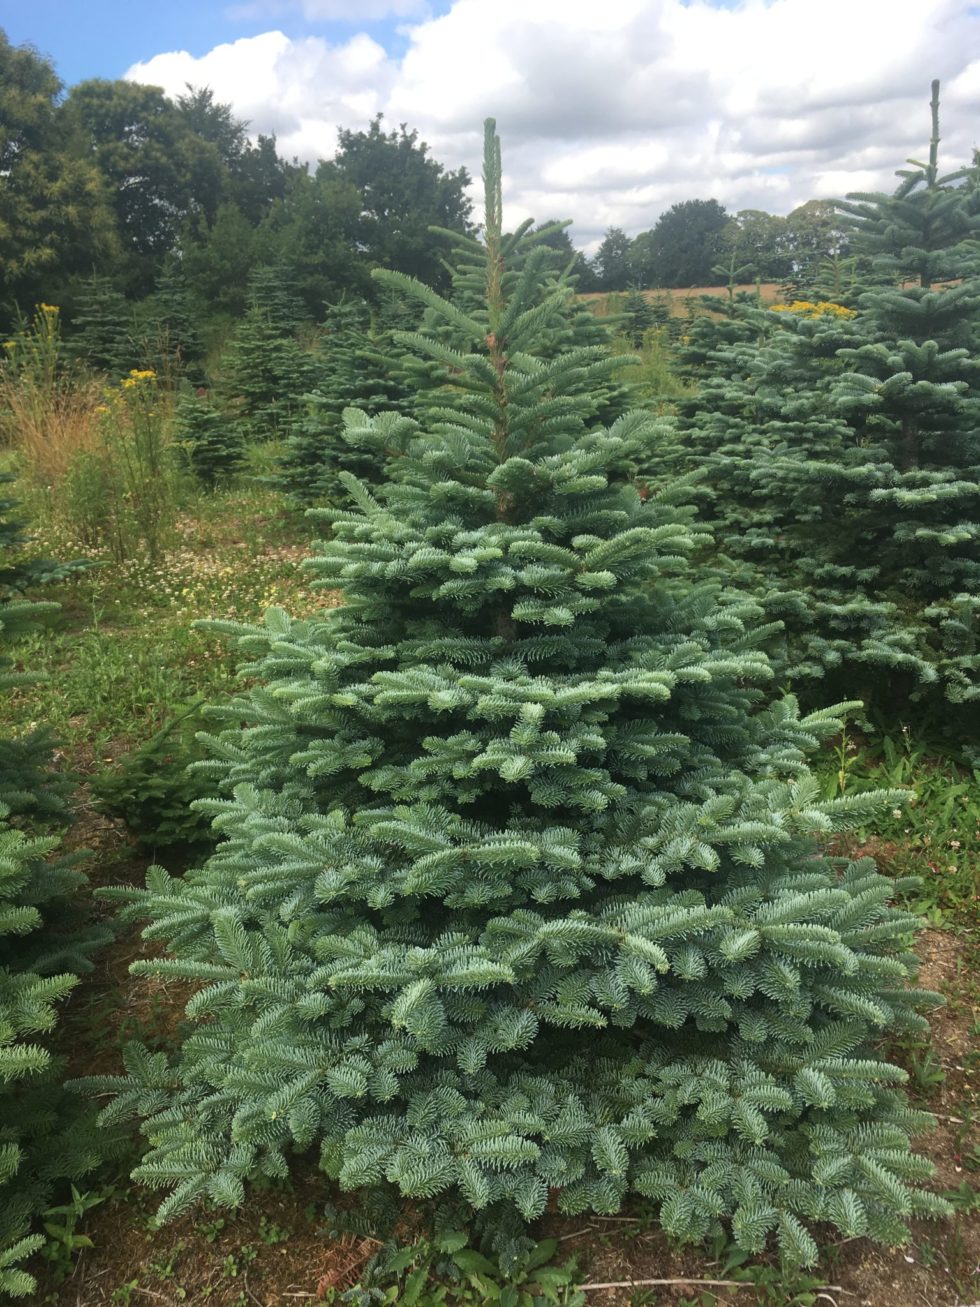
(934, 831)
(926, 1070)
(63, 1241)
(780, 1286)
(447, 1271)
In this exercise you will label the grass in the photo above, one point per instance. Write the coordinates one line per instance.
(935, 835)
(48, 411)
(654, 377)
(123, 653)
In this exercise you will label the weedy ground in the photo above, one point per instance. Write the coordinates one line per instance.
(122, 660)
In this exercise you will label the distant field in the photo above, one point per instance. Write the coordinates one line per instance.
(769, 290)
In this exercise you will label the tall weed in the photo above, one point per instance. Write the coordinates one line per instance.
(121, 493)
(47, 406)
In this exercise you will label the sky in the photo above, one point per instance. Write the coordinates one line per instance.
(609, 111)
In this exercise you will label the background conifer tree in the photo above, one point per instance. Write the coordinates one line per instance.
(358, 354)
(266, 372)
(214, 444)
(519, 891)
(103, 329)
(638, 316)
(843, 443)
(169, 335)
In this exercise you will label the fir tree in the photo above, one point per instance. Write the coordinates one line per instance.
(519, 892)
(103, 329)
(44, 939)
(169, 335)
(213, 443)
(267, 373)
(356, 348)
(638, 316)
(844, 445)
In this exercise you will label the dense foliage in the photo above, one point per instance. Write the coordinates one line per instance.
(44, 942)
(843, 445)
(113, 179)
(518, 892)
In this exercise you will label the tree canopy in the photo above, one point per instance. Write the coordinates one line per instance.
(404, 192)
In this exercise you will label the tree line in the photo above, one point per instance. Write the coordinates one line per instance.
(699, 243)
(114, 189)
(115, 183)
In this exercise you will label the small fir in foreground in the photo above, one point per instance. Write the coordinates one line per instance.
(46, 1135)
(519, 898)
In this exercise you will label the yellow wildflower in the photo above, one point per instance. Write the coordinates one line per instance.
(815, 309)
(137, 376)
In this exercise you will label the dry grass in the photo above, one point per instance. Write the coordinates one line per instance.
(50, 427)
(49, 412)
(678, 299)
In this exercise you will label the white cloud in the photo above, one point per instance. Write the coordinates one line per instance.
(611, 112)
(301, 90)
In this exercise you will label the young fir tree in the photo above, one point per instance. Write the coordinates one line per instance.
(266, 373)
(103, 329)
(844, 447)
(44, 939)
(169, 337)
(637, 316)
(356, 348)
(214, 444)
(519, 892)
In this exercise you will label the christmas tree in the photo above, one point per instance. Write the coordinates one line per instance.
(843, 444)
(637, 316)
(104, 330)
(213, 444)
(266, 372)
(169, 337)
(519, 895)
(356, 347)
